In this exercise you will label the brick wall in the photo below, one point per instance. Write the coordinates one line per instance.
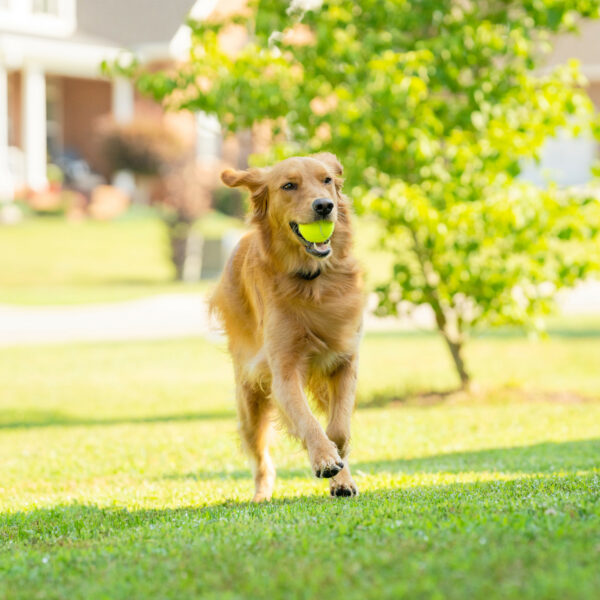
(594, 92)
(85, 101)
(14, 109)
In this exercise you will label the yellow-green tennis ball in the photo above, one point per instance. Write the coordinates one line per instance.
(319, 231)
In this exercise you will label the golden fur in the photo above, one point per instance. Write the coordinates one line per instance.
(288, 333)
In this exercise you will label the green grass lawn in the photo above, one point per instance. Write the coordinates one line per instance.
(50, 261)
(122, 477)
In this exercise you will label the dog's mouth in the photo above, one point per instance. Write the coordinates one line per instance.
(318, 249)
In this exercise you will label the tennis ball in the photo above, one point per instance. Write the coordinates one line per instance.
(319, 231)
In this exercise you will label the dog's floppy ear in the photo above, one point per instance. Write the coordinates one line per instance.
(331, 161)
(255, 181)
(251, 179)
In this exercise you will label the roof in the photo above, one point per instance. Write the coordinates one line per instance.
(103, 28)
(132, 23)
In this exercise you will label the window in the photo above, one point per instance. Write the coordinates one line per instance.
(564, 159)
(48, 7)
(54, 117)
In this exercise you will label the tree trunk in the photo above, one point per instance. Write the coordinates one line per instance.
(179, 232)
(178, 252)
(456, 352)
(454, 343)
(453, 340)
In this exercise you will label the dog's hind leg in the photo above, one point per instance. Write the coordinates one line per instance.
(342, 389)
(254, 411)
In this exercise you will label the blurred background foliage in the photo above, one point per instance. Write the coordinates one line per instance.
(432, 106)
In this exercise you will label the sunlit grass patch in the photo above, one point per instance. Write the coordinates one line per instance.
(122, 477)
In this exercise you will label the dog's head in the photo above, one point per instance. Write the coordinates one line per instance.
(296, 191)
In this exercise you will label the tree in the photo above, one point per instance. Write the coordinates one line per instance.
(432, 106)
(178, 185)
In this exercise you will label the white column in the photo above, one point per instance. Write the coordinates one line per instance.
(208, 137)
(21, 8)
(34, 125)
(122, 100)
(6, 182)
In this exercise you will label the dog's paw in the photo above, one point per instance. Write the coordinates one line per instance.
(261, 497)
(329, 470)
(264, 480)
(343, 485)
(327, 463)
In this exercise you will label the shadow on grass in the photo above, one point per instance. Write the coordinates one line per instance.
(78, 522)
(384, 398)
(546, 457)
(15, 419)
(26, 420)
(426, 398)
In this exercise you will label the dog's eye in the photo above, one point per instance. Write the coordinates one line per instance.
(327, 180)
(289, 186)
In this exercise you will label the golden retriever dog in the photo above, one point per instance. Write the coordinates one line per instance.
(292, 312)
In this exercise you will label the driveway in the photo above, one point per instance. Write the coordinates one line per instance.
(157, 317)
(183, 315)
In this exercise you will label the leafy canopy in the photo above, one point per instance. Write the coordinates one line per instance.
(432, 105)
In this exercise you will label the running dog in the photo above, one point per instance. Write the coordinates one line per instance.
(292, 311)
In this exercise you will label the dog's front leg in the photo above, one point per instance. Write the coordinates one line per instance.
(342, 390)
(288, 391)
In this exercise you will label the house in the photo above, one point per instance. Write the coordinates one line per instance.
(565, 159)
(51, 87)
(52, 91)
(585, 47)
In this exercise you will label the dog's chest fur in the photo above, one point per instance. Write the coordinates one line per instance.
(323, 336)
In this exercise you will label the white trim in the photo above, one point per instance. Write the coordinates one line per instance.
(201, 9)
(153, 51)
(34, 125)
(181, 42)
(6, 180)
(56, 56)
(20, 18)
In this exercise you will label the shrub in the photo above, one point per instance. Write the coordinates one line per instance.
(143, 146)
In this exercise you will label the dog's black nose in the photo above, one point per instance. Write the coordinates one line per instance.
(322, 206)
